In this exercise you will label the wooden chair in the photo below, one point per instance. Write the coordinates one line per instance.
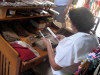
(9, 59)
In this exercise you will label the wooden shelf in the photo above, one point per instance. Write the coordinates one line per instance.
(43, 54)
(22, 17)
(3, 11)
(26, 7)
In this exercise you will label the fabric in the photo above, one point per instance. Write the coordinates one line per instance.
(8, 33)
(91, 2)
(24, 52)
(10, 36)
(61, 16)
(61, 2)
(99, 2)
(72, 50)
(61, 5)
(24, 44)
(87, 6)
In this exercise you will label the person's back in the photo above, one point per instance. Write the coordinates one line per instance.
(73, 49)
(76, 48)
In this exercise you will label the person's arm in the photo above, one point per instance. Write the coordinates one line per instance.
(69, 3)
(67, 6)
(51, 54)
(96, 11)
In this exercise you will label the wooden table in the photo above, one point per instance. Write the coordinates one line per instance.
(35, 61)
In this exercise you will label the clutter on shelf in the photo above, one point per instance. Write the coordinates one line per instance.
(26, 3)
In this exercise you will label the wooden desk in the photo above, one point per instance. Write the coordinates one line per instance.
(43, 55)
(35, 61)
(31, 63)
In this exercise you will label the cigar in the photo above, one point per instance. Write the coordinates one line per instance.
(52, 33)
(41, 34)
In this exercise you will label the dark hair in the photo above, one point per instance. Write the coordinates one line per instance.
(82, 19)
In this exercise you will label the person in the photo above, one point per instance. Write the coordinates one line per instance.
(62, 8)
(94, 7)
(97, 9)
(87, 4)
(71, 50)
(91, 2)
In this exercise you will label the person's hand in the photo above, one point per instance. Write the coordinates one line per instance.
(60, 37)
(46, 41)
(65, 10)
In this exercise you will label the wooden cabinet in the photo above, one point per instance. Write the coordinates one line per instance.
(9, 59)
(33, 62)
(3, 12)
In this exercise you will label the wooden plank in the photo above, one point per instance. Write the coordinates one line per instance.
(4, 65)
(7, 67)
(22, 17)
(3, 13)
(26, 7)
(0, 63)
(10, 54)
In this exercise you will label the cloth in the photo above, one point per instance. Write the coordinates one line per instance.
(61, 5)
(60, 2)
(99, 2)
(24, 52)
(9, 34)
(24, 44)
(87, 6)
(61, 16)
(72, 50)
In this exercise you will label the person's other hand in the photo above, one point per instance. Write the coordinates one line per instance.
(46, 41)
(60, 37)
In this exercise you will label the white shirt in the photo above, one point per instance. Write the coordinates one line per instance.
(72, 50)
(61, 2)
